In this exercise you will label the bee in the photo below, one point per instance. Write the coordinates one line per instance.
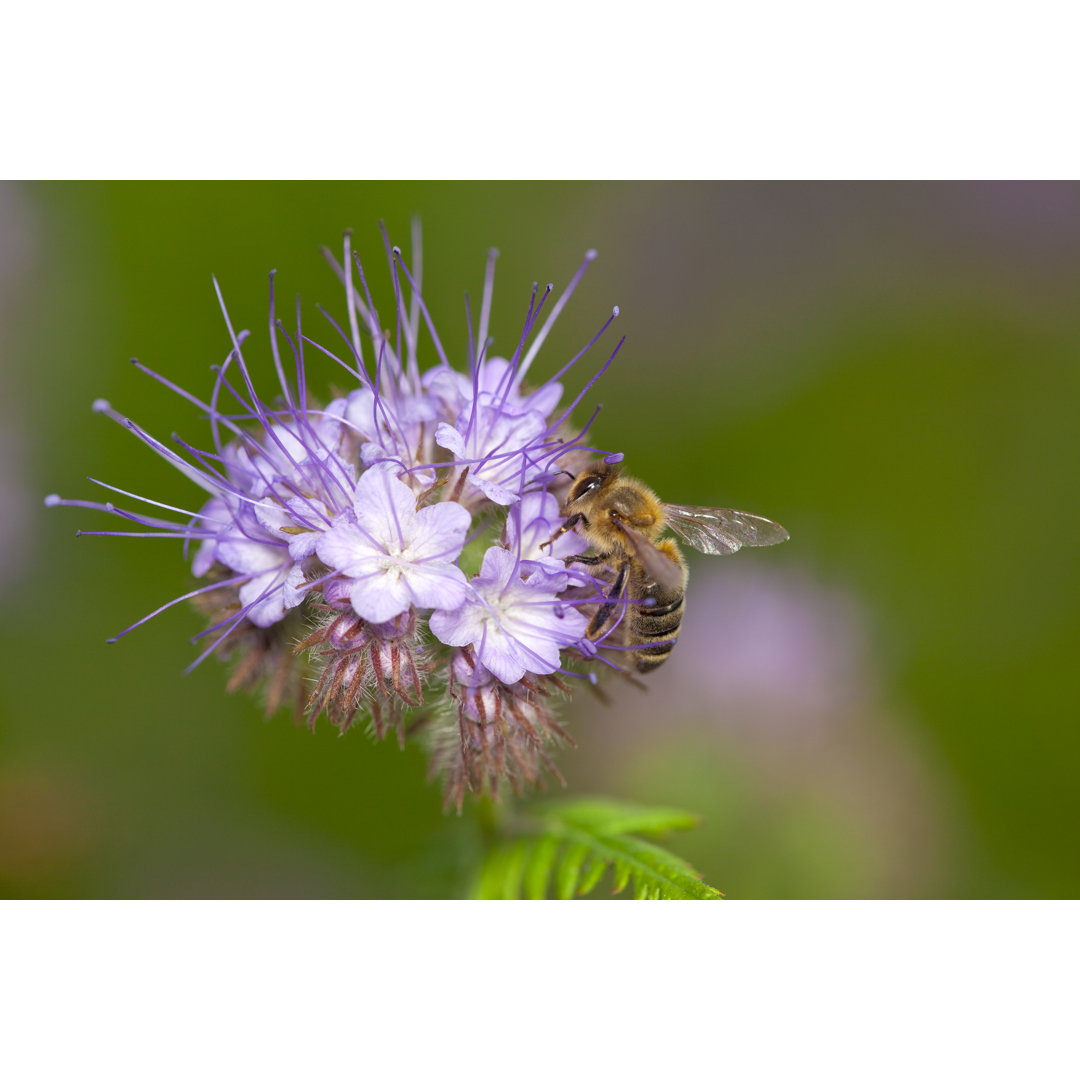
(624, 522)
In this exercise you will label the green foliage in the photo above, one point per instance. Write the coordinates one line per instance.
(570, 844)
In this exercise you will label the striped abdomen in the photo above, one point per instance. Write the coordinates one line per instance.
(658, 622)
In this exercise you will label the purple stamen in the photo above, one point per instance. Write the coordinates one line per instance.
(509, 376)
(596, 337)
(174, 459)
(423, 308)
(588, 387)
(350, 300)
(472, 344)
(239, 580)
(417, 238)
(392, 256)
(555, 312)
(274, 347)
(184, 393)
(489, 290)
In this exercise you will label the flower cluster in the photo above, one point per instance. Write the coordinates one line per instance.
(387, 555)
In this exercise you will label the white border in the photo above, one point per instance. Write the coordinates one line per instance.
(216, 88)
(853, 989)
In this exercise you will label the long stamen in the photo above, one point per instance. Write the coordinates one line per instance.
(238, 580)
(489, 290)
(555, 312)
(417, 238)
(596, 337)
(588, 386)
(282, 381)
(350, 300)
(391, 258)
(423, 307)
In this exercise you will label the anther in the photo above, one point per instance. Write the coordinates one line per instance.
(615, 311)
(52, 500)
(101, 406)
(614, 459)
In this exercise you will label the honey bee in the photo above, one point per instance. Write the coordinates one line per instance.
(624, 521)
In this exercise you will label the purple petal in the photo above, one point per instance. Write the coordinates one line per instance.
(264, 592)
(380, 598)
(385, 507)
(436, 585)
(344, 547)
(440, 532)
(448, 437)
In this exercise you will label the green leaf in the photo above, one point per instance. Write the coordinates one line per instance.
(579, 839)
(569, 871)
(601, 816)
(538, 868)
(514, 869)
(593, 874)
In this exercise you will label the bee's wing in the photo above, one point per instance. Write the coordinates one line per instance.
(658, 566)
(722, 532)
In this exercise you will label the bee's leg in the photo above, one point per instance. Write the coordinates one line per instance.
(613, 597)
(565, 527)
(588, 560)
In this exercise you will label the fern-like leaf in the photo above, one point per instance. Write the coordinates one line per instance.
(570, 844)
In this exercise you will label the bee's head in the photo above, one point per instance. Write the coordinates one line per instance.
(591, 481)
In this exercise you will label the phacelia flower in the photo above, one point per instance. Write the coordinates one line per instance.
(515, 625)
(394, 556)
(386, 555)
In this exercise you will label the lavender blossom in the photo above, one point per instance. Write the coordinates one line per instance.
(515, 625)
(331, 539)
(394, 556)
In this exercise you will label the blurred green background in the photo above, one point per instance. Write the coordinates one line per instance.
(886, 706)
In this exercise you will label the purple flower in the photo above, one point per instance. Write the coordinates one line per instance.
(515, 625)
(502, 450)
(341, 527)
(539, 511)
(393, 555)
(254, 548)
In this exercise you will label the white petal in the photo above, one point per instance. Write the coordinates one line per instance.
(385, 508)
(440, 532)
(379, 599)
(345, 547)
(461, 627)
(264, 592)
(250, 556)
(494, 491)
(451, 439)
(293, 591)
(497, 653)
(436, 585)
